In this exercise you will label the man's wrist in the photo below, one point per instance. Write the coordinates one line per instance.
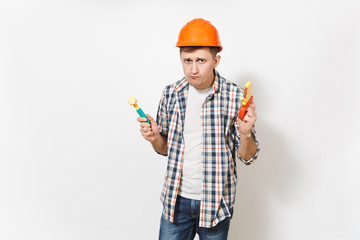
(245, 136)
(160, 144)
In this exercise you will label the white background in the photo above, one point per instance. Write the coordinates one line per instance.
(74, 166)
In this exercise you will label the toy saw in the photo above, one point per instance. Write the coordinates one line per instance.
(247, 99)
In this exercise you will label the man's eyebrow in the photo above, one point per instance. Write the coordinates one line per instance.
(197, 58)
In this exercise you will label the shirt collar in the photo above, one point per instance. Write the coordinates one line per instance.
(217, 85)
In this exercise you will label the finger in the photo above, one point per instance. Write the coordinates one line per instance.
(154, 125)
(251, 112)
(150, 118)
(142, 132)
(146, 132)
(252, 105)
(240, 121)
(141, 119)
(145, 125)
(249, 118)
(145, 129)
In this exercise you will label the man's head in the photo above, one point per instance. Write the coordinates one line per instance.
(199, 44)
(198, 64)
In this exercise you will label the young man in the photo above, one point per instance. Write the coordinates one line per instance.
(198, 129)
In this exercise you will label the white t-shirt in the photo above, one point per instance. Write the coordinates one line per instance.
(191, 175)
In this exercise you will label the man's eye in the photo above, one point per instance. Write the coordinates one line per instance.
(187, 60)
(201, 60)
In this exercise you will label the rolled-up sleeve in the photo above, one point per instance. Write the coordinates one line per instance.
(162, 115)
(237, 144)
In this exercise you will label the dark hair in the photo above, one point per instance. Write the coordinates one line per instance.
(213, 50)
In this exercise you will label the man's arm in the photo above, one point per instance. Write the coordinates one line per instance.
(151, 132)
(248, 146)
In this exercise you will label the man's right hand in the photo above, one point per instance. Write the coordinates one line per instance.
(151, 132)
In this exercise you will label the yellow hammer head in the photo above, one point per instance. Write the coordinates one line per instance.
(132, 100)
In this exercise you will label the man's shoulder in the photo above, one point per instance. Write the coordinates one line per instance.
(176, 86)
(229, 87)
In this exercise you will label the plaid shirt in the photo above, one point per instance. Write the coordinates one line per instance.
(220, 144)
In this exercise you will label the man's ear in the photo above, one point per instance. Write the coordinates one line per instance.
(180, 56)
(217, 60)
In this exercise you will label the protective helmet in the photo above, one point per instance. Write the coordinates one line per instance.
(199, 32)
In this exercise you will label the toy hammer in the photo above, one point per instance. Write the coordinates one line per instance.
(132, 101)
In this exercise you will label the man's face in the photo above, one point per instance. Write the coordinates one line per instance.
(198, 67)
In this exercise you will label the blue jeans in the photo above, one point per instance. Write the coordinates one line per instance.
(186, 223)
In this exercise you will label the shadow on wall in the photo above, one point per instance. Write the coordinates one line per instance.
(271, 180)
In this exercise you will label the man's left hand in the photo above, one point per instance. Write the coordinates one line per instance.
(248, 121)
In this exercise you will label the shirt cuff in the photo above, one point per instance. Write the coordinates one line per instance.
(251, 160)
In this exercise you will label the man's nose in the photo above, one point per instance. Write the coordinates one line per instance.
(194, 68)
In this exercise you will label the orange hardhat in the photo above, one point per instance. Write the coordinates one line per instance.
(199, 32)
